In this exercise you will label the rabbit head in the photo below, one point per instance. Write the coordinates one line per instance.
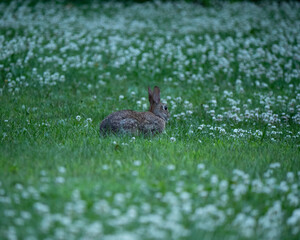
(156, 107)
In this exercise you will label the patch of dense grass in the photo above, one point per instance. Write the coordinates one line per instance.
(227, 165)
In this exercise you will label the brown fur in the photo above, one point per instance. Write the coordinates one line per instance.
(128, 121)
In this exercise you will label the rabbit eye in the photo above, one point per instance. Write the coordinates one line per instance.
(166, 108)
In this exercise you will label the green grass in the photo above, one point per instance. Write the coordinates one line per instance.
(227, 165)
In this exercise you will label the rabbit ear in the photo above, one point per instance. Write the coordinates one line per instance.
(156, 94)
(150, 94)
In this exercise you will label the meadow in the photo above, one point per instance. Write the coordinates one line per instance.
(227, 165)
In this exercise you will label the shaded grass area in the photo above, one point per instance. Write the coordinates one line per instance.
(84, 159)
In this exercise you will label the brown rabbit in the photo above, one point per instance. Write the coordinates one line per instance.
(128, 121)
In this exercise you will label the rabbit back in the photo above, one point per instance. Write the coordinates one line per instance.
(128, 121)
(121, 121)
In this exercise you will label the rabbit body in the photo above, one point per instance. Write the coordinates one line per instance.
(128, 121)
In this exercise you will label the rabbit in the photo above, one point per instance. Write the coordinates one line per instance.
(128, 121)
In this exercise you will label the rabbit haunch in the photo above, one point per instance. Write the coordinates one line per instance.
(128, 121)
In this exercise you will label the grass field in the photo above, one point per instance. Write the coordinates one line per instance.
(227, 165)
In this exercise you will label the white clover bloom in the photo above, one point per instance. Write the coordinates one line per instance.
(171, 167)
(78, 118)
(208, 217)
(93, 230)
(223, 186)
(295, 218)
(105, 167)
(40, 207)
(290, 176)
(59, 180)
(121, 97)
(62, 169)
(18, 186)
(43, 173)
(178, 99)
(201, 166)
(145, 106)
(275, 165)
(25, 215)
(172, 139)
(101, 207)
(9, 213)
(246, 224)
(4, 135)
(293, 199)
(137, 163)
(239, 190)
(270, 224)
(214, 179)
(283, 186)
